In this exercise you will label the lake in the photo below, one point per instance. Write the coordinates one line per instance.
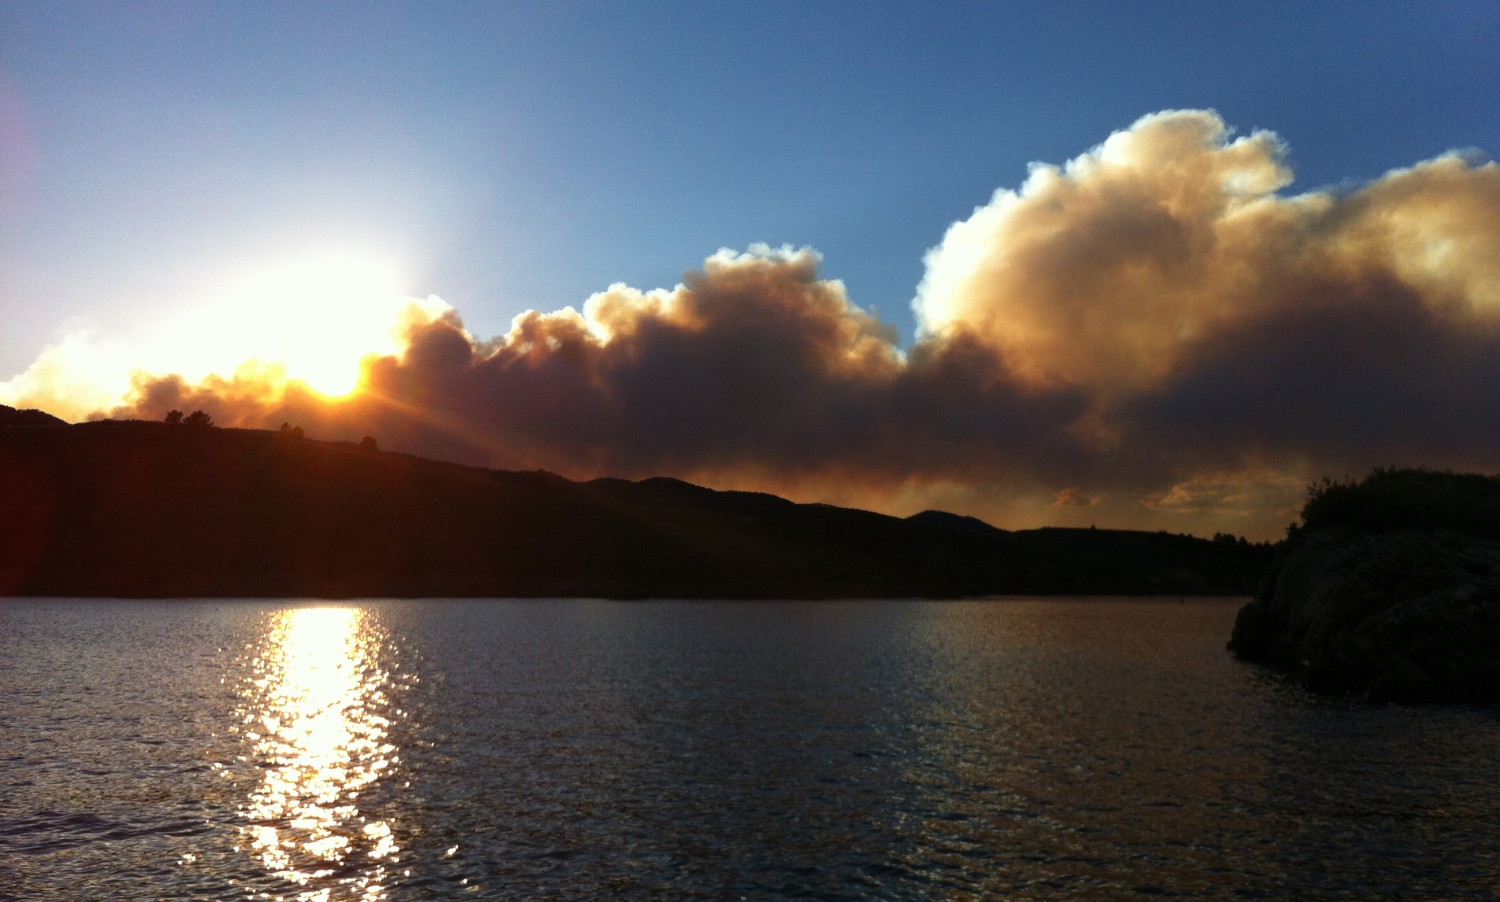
(580, 749)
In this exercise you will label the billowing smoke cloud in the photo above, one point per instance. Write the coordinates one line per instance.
(755, 369)
(1232, 341)
(1150, 335)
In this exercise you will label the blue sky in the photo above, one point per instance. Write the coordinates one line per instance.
(514, 156)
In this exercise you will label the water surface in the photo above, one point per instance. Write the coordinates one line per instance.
(584, 749)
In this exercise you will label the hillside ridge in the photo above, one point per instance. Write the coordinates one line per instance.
(143, 509)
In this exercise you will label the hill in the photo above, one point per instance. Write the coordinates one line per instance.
(9, 416)
(131, 509)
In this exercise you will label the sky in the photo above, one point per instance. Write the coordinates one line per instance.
(1150, 266)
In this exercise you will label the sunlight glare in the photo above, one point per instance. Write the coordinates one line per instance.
(318, 318)
(313, 717)
(314, 319)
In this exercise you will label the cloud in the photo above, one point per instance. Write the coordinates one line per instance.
(1241, 494)
(1097, 273)
(1214, 324)
(1151, 334)
(1072, 496)
(755, 364)
(70, 378)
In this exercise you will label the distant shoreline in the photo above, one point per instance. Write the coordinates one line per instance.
(136, 509)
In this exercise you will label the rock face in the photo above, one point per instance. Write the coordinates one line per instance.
(1404, 615)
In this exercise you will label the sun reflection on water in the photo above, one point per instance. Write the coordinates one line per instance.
(314, 717)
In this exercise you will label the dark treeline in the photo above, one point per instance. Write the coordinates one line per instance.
(128, 509)
(1394, 498)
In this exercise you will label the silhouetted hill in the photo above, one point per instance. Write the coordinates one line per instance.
(9, 416)
(151, 509)
(955, 522)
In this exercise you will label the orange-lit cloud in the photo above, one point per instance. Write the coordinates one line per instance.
(1113, 271)
(1071, 496)
(1149, 335)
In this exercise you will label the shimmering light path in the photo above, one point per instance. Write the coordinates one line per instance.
(314, 717)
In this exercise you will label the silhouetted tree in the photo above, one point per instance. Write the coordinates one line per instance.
(367, 444)
(174, 417)
(290, 431)
(198, 420)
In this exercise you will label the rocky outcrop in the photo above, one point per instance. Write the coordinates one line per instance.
(1405, 615)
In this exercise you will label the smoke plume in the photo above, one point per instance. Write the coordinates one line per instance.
(1152, 334)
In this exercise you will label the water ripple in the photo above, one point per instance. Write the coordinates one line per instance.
(435, 750)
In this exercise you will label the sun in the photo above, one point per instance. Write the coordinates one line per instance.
(310, 320)
(315, 319)
(320, 318)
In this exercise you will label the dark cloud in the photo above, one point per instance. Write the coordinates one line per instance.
(1351, 375)
(1149, 335)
